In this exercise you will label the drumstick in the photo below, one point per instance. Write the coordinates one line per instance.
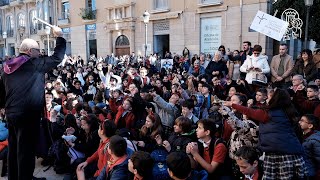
(35, 18)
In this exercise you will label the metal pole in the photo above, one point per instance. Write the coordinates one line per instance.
(48, 44)
(307, 27)
(5, 47)
(145, 45)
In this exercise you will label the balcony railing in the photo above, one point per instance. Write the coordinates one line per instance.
(16, 2)
(62, 22)
(88, 14)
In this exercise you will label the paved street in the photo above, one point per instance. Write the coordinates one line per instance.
(38, 172)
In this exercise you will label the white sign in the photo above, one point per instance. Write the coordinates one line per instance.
(167, 63)
(269, 25)
(210, 34)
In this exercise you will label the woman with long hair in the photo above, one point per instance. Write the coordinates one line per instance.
(277, 138)
(151, 130)
(305, 66)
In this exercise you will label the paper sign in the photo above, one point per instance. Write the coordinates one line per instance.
(167, 63)
(269, 25)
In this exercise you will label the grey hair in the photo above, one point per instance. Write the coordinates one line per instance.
(28, 44)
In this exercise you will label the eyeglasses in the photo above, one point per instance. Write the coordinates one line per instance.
(36, 49)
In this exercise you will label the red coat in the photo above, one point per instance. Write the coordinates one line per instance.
(127, 120)
(101, 156)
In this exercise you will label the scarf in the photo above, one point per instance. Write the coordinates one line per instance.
(13, 64)
(111, 163)
(196, 69)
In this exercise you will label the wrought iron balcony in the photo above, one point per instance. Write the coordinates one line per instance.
(64, 19)
(88, 14)
(16, 2)
(62, 22)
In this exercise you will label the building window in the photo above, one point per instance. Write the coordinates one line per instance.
(65, 10)
(47, 6)
(118, 13)
(10, 26)
(21, 20)
(161, 4)
(210, 1)
(33, 25)
(39, 15)
(91, 4)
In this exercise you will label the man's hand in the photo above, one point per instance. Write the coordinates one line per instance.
(279, 79)
(57, 32)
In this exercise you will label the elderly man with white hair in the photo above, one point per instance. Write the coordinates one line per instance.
(216, 67)
(22, 96)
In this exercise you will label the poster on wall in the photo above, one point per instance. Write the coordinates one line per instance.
(210, 34)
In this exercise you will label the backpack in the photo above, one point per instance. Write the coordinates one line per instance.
(225, 169)
(159, 171)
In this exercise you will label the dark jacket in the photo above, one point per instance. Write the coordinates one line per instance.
(309, 72)
(24, 88)
(88, 144)
(179, 142)
(118, 172)
(278, 136)
(216, 66)
(311, 146)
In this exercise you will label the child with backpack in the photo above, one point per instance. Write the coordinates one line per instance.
(210, 152)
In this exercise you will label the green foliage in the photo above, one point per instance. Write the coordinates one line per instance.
(87, 14)
(298, 5)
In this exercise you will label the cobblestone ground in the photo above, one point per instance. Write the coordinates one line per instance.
(38, 172)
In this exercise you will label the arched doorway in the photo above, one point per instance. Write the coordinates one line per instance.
(122, 46)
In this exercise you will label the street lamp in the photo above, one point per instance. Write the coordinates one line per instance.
(146, 17)
(48, 31)
(4, 36)
(308, 3)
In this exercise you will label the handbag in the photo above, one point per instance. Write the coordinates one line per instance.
(74, 154)
(260, 78)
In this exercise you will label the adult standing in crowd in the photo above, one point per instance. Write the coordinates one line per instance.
(216, 67)
(255, 64)
(23, 80)
(305, 66)
(281, 66)
(247, 50)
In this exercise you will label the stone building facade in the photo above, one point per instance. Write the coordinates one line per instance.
(103, 27)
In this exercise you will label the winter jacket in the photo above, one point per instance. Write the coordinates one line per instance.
(167, 111)
(278, 136)
(256, 62)
(118, 172)
(311, 146)
(179, 142)
(309, 72)
(216, 66)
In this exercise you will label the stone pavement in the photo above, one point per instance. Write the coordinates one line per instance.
(38, 172)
